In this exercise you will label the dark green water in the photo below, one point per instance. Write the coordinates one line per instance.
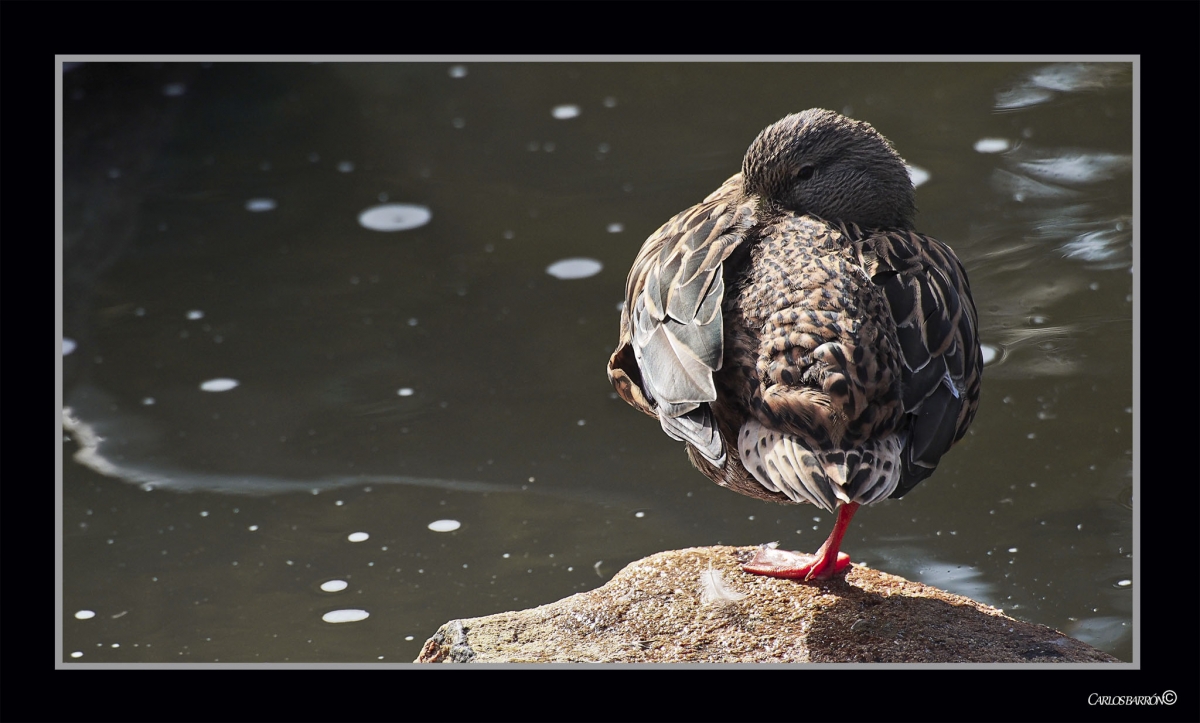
(387, 380)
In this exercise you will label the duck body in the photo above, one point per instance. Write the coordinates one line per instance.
(793, 330)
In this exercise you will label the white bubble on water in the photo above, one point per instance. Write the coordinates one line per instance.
(219, 385)
(345, 616)
(395, 217)
(574, 268)
(562, 112)
(992, 145)
(917, 175)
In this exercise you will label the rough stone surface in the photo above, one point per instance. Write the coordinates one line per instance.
(661, 609)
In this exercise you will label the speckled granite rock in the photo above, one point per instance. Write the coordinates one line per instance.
(697, 606)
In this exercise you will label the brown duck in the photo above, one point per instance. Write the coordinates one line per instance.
(799, 336)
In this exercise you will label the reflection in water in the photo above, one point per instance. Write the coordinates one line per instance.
(1022, 188)
(1048, 82)
(91, 436)
(1072, 166)
(1102, 246)
(919, 564)
(1102, 632)
(1077, 230)
(99, 426)
(1073, 202)
(1045, 338)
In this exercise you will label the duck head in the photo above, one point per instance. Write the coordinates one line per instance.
(825, 164)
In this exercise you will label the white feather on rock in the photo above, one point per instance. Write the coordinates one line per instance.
(714, 590)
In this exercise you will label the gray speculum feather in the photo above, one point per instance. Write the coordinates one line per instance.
(798, 335)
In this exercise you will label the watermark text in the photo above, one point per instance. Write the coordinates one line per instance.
(1167, 697)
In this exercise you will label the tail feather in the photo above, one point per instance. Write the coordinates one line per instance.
(825, 478)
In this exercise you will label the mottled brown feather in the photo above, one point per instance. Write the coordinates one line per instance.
(765, 327)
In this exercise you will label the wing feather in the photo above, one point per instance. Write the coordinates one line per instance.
(672, 318)
(936, 324)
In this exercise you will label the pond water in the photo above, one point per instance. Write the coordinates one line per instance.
(333, 366)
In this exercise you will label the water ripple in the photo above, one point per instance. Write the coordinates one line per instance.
(1051, 81)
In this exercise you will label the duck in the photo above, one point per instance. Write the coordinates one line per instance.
(797, 333)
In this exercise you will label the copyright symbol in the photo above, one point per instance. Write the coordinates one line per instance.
(1169, 697)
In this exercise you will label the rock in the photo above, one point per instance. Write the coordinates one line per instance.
(696, 605)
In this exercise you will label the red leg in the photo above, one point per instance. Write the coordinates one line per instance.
(826, 563)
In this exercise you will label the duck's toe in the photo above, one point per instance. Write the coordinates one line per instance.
(796, 565)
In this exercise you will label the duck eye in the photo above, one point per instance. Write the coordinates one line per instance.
(806, 172)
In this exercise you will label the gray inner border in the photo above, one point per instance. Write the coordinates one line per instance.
(61, 664)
